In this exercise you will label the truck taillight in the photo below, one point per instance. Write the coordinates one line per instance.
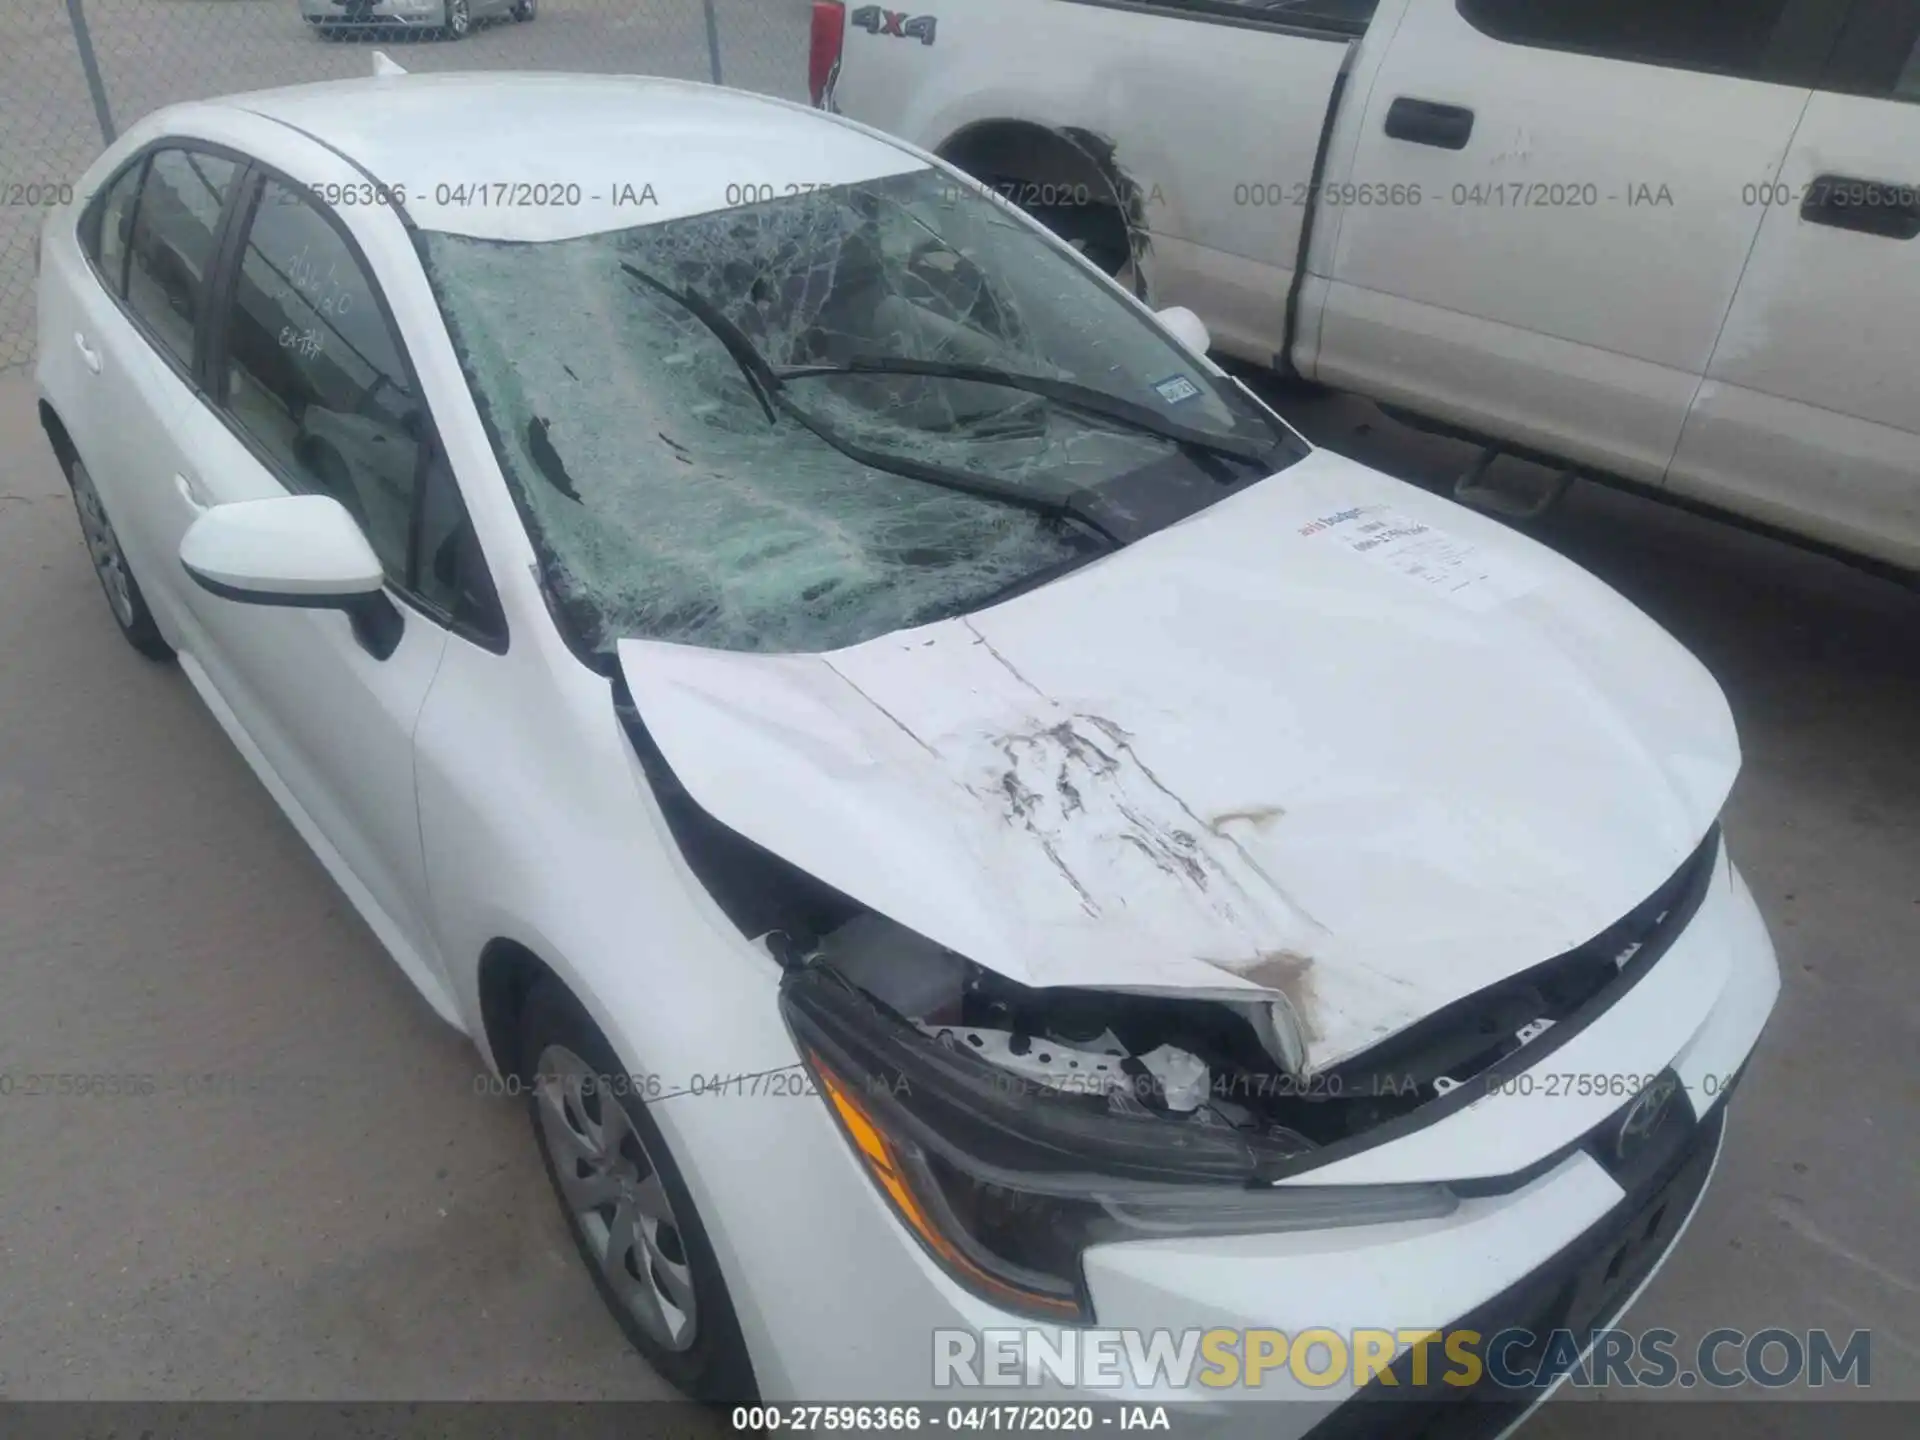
(823, 50)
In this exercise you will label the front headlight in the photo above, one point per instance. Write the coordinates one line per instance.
(1006, 1183)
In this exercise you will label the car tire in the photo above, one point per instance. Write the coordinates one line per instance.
(614, 1178)
(1274, 385)
(124, 600)
(523, 10)
(459, 20)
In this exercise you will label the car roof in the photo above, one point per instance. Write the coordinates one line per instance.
(547, 156)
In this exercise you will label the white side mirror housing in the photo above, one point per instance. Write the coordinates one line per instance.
(294, 551)
(300, 550)
(1186, 327)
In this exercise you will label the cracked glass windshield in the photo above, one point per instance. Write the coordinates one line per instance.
(706, 424)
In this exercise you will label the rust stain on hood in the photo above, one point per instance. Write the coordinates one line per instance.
(1291, 977)
(1259, 817)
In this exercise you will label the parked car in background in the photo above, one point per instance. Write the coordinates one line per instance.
(453, 19)
(950, 812)
(1670, 243)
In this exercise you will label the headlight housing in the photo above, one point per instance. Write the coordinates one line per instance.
(1006, 1183)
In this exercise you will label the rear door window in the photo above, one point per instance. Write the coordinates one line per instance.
(1786, 41)
(175, 228)
(1879, 52)
(109, 226)
(1346, 16)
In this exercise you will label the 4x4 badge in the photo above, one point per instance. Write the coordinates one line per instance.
(875, 21)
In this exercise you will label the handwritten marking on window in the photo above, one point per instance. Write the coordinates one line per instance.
(305, 343)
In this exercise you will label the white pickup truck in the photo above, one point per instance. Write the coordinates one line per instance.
(1673, 244)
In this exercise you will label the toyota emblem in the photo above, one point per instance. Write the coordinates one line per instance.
(1644, 1115)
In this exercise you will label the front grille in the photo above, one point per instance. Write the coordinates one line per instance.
(1582, 1289)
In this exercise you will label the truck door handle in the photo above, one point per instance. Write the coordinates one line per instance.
(1872, 207)
(1428, 122)
(89, 356)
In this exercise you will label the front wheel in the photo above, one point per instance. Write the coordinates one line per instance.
(523, 10)
(459, 20)
(124, 599)
(630, 1213)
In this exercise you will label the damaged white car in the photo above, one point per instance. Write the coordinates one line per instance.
(955, 816)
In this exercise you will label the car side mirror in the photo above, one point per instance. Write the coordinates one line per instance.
(1186, 327)
(294, 551)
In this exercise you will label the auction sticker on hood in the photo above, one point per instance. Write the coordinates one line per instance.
(1463, 572)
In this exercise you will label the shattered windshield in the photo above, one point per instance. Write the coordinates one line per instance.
(626, 380)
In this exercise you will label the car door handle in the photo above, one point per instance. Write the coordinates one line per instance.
(189, 492)
(1872, 207)
(88, 355)
(1428, 122)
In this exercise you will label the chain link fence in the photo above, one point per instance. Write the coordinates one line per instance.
(73, 73)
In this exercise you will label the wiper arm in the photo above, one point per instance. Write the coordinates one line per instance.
(1065, 392)
(752, 363)
(769, 385)
(1069, 506)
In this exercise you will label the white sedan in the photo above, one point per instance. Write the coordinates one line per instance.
(960, 822)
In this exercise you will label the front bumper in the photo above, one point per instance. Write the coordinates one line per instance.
(838, 1301)
(1581, 1290)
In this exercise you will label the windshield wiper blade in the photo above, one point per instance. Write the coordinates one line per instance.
(1065, 392)
(769, 384)
(1070, 506)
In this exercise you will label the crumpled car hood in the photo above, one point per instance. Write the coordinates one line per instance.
(1334, 740)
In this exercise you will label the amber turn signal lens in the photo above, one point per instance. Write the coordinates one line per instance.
(888, 1166)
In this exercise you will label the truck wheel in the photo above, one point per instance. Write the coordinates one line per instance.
(1098, 232)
